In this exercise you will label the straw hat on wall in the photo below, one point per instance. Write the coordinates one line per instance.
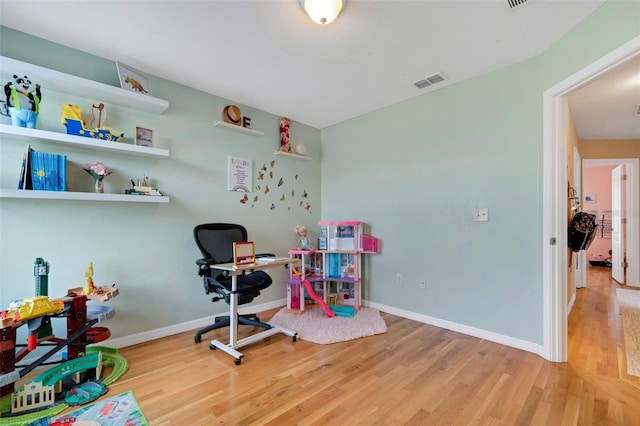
(232, 115)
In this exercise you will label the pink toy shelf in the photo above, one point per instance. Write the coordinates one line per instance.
(333, 271)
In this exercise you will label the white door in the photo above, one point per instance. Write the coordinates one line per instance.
(617, 232)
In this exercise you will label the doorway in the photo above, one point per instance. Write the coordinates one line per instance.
(627, 257)
(554, 259)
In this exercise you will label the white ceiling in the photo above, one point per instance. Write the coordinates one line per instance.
(609, 106)
(269, 55)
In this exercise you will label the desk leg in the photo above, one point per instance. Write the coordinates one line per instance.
(233, 326)
(233, 329)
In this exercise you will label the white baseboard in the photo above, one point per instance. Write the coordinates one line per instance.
(159, 333)
(459, 328)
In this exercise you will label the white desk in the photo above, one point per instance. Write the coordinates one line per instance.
(234, 343)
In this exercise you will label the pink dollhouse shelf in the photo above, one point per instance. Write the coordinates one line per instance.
(369, 243)
(302, 251)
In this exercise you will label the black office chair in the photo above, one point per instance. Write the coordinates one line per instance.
(215, 241)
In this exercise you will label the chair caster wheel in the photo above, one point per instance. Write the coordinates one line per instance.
(212, 347)
(294, 339)
(197, 339)
(237, 361)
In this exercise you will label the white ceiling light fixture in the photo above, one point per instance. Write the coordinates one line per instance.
(322, 12)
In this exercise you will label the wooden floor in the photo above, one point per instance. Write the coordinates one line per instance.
(414, 374)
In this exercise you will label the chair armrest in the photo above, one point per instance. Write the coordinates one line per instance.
(205, 262)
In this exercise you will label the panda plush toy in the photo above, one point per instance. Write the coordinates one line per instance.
(23, 101)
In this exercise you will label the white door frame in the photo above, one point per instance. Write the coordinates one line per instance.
(632, 228)
(554, 200)
(580, 271)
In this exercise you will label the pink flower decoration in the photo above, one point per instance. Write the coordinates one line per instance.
(97, 170)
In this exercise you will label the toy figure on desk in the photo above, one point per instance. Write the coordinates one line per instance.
(23, 100)
(303, 241)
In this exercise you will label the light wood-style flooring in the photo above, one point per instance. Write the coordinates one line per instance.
(414, 374)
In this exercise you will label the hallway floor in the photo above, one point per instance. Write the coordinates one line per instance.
(596, 342)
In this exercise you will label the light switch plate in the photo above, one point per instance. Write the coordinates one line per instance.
(481, 214)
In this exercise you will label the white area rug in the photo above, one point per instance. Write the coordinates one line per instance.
(314, 326)
(629, 303)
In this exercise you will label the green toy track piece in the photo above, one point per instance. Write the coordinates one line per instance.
(110, 358)
(26, 419)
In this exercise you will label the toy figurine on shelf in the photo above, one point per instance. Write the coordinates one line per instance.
(303, 240)
(72, 119)
(102, 293)
(284, 135)
(88, 278)
(23, 101)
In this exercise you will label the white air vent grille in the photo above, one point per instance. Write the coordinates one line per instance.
(432, 79)
(516, 3)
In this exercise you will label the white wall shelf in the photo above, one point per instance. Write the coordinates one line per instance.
(292, 155)
(240, 129)
(80, 196)
(23, 134)
(73, 85)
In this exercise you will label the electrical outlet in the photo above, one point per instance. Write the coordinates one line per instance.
(423, 282)
(399, 279)
(481, 215)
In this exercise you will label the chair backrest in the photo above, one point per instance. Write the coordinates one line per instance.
(215, 240)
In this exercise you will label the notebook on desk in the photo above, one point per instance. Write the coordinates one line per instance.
(268, 259)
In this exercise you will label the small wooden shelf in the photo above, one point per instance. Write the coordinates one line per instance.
(79, 196)
(292, 155)
(62, 139)
(73, 85)
(240, 129)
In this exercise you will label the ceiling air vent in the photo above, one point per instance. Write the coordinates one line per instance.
(516, 3)
(432, 79)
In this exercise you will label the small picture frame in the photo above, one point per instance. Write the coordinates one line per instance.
(590, 198)
(132, 79)
(144, 137)
(244, 253)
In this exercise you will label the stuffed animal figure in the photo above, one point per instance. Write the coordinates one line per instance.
(284, 135)
(23, 101)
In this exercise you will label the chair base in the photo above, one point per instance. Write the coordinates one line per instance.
(225, 321)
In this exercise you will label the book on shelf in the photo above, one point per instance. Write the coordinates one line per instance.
(154, 193)
(22, 171)
(24, 181)
(46, 171)
(137, 188)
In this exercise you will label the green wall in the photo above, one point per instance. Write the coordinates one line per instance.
(419, 168)
(148, 249)
(413, 171)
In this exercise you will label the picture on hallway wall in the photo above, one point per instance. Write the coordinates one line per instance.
(590, 198)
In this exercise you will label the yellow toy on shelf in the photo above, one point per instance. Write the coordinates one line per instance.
(34, 307)
(92, 291)
(88, 278)
(72, 119)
